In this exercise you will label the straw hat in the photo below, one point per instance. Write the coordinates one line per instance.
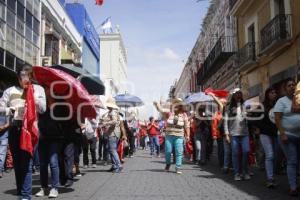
(111, 103)
(235, 90)
(177, 101)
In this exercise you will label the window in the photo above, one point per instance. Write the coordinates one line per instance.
(20, 26)
(11, 18)
(11, 4)
(28, 33)
(28, 52)
(2, 12)
(1, 56)
(20, 11)
(2, 32)
(10, 39)
(19, 63)
(35, 39)
(10, 60)
(36, 25)
(22, 2)
(29, 5)
(251, 33)
(36, 10)
(279, 7)
(19, 45)
(28, 19)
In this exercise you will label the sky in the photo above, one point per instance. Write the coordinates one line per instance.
(158, 35)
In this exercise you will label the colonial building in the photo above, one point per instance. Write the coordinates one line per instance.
(217, 44)
(268, 41)
(113, 62)
(60, 40)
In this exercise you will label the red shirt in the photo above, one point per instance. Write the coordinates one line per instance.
(153, 130)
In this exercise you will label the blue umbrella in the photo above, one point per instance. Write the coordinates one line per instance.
(127, 100)
(198, 97)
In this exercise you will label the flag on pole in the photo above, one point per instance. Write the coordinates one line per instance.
(99, 2)
(106, 24)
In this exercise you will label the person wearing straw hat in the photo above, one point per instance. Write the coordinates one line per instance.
(177, 128)
(114, 131)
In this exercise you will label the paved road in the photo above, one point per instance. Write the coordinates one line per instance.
(144, 179)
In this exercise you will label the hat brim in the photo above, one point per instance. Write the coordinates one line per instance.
(110, 105)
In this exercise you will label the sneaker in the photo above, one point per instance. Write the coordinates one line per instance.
(94, 166)
(247, 177)
(53, 193)
(167, 168)
(85, 167)
(69, 183)
(237, 177)
(293, 193)
(270, 184)
(41, 193)
(178, 171)
(158, 156)
(78, 174)
(131, 156)
(118, 170)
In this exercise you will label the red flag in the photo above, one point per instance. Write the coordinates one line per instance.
(218, 93)
(99, 2)
(29, 133)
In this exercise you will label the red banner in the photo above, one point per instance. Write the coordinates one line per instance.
(99, 2)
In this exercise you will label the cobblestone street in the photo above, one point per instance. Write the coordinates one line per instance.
(143, 178)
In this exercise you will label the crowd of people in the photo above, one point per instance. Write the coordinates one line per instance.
(245, 134)
(263, 134)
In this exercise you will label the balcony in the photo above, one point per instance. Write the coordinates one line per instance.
(246, 55)
(276, 33)
(221, 52)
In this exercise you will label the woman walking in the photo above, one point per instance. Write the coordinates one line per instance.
(177, 128)
(237, 133)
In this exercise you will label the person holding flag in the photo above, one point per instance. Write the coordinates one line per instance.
(22, 103)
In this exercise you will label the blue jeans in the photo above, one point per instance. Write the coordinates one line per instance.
(238, 142)
(154, 144)
(3, 149)
(227, 153)
(177, 143)
(292, 151)
(48, 154)
(22, 164)
(267, 143)
(112, 145)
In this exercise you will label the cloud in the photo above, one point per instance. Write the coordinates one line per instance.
(170, 54)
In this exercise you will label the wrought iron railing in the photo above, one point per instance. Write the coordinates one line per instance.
(278, 29)
(246, 54)
(225, 44)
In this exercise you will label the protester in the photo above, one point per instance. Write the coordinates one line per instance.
(153, 133)
(288, 123)
(89, 141)
(268, 134)
(50, 141)
(143, 134)
(237, 133)
(176, 129)
(3, 142)
(132, 130)
(13, 103)
(114, 130)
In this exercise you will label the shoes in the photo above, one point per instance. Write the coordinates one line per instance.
(237, 177)
(99, 159)
(1, 174)
(247, 177)
(105, 163)
(118, 170)
(8, 170)
(131, 156)
(271, 183)
(69, 183)
(78, 174)
(85, 167)
(167, 168)
(178, 171)
(94, 166)
(41, 193)
(53, 193)
(157, 156)
(111, 170)
(225, 170)
(293, 193)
